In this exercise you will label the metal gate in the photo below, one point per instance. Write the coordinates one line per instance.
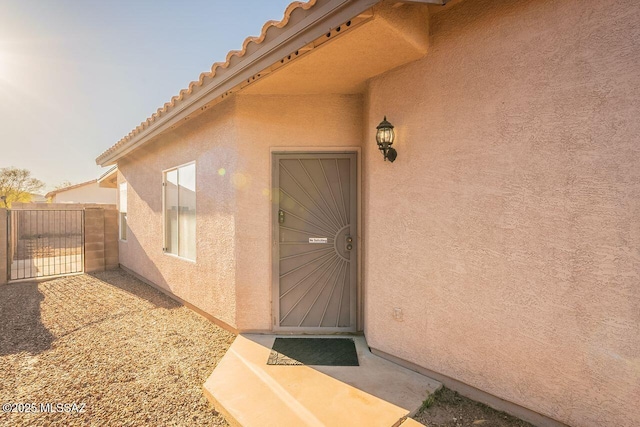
(45, 243)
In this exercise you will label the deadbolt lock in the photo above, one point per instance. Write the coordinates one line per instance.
(349, 239)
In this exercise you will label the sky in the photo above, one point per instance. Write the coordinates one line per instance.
(78, 75)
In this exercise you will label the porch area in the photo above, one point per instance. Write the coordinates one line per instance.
(249, 392)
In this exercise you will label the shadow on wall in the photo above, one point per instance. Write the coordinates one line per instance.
(218, 182)
(145, 266)
(21, 327)
(149, 269)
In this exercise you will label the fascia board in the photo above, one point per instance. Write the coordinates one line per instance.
(328, 16)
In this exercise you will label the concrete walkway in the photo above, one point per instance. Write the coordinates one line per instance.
(248, 392)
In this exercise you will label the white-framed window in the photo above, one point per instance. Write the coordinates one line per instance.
(179, 200)
(122, 208)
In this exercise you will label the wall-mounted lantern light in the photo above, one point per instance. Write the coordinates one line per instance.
(384, 137)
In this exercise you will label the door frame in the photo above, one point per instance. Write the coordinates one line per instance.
(275, 273)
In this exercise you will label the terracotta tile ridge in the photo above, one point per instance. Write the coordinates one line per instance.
(211, 74)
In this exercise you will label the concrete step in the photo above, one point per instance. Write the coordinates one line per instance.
(251, 393)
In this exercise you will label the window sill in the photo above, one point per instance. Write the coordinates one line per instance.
(192, 261)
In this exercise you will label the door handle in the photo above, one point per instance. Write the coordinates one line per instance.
(281, 216)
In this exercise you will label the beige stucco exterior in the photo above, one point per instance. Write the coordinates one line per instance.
(506, 231)
(511, 238)
(279, 122)
(231, 278)
(209, 282)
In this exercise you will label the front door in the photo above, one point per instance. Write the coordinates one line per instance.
(315, 251)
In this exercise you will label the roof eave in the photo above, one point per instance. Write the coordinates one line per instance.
(295, 36)
(105, 180)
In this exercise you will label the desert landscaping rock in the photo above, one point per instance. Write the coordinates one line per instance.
(127, 352)
(446, 408)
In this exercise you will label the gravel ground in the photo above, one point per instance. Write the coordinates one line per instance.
(130, 354)
(448, 409)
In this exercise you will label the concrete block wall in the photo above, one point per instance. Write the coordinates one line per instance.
(94, 253)
(111, 246)
(100, 238)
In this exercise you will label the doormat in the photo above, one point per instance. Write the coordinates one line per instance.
(314, 351)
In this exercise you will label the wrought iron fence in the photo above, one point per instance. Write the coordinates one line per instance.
(45, 243)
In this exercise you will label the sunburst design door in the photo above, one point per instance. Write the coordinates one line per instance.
(315, 269)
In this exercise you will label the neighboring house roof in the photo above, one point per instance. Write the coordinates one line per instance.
(71, 187)
(276, 43)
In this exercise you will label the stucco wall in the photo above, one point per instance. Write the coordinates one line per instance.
(231, 146)
(265, 122)
(209, 282)
(508, 229)
(89, 193)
